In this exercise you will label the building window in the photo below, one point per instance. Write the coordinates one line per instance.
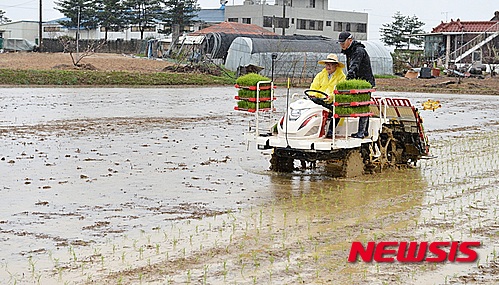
(351, 27)
(338, 26)
(361, 28)
(112, 29)
(280, 22)
(312, 4)
(314, 25)
(275, 22)
(267, 22)
(51, 29)
(328, 23)
(235, 20)
(246, 20)
(146, 29)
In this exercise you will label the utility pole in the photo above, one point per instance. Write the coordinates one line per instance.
(283, 17)
(78, 33)
(40, 29)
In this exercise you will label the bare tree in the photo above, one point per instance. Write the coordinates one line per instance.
(91, 47)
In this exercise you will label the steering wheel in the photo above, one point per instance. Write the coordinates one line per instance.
(310, 96)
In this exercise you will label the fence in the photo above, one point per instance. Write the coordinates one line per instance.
(116, 46)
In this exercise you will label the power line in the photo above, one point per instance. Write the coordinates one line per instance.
(20, 4)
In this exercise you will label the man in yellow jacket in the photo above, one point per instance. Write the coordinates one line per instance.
(327, 79)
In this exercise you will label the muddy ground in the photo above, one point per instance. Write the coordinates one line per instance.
(159, 186)
(101, 61)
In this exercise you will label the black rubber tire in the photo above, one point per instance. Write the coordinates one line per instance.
(281, 164)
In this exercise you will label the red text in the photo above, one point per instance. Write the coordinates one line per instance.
(438, 251)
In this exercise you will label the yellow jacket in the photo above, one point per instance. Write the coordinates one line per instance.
(323, 83)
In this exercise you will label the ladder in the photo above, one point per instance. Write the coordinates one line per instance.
(476, 43)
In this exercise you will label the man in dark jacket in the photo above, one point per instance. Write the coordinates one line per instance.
(359, 67)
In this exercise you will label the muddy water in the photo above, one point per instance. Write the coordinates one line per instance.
(157, 185)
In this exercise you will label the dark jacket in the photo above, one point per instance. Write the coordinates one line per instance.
(358, 62)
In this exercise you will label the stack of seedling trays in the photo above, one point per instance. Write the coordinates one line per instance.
(247, 93)
(352, 99)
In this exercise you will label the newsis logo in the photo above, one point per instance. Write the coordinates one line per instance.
(414, 251)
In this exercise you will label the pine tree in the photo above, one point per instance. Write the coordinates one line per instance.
(181, 13)
(413, 26)
(82, 12)
(399, 32)
(111, 15)
(143, 13)
(3, 19)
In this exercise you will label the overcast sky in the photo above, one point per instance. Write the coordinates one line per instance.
(431, 12)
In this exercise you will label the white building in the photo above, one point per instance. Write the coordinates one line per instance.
(302, 17)
(19, 36)
(54, 30)
(27, 30)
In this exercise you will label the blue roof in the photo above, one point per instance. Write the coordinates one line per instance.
(210, 15)
(56, 21)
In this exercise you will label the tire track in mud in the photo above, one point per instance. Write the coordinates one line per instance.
(105, 125)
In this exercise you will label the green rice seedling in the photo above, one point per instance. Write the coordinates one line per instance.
(353, 84)
(205, 273)
(31, 265)
(59, 273)
(247, 93)
(141, 252)
(340, 110)
(349, 98)
(243, 104)
(251, 79)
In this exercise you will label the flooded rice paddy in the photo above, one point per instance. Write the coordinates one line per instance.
(158, 186)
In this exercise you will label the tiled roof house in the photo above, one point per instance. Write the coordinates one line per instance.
(234, 28)
(467, 42)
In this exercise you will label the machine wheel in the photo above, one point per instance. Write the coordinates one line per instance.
(353, 164)
(281, 164)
